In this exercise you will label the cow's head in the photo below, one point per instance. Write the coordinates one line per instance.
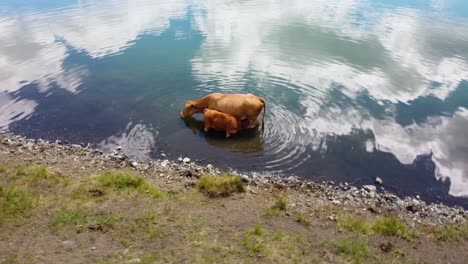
(190, 109)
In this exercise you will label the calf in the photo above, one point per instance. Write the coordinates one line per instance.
(222, 121)
(247, 106)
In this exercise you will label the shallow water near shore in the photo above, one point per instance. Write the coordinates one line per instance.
(355, 89)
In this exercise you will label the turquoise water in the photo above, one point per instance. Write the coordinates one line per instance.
(355, 89)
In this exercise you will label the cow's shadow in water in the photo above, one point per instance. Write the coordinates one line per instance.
(248, 140)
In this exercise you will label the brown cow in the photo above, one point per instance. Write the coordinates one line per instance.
(239, 105)
(222, 121)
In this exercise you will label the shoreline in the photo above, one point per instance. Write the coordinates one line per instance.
(412, 209)
(64, 202)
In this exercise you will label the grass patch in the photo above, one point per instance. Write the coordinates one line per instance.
(66, 218)
(392, 226)
(278, 208)
(302, 220)
(224, 185)
(3, 169)
(116, 181)
(15, 201)
(453, 233)
(254, 240)
(146, 224)
(36, 173)
(354, 250)
(78, 219)
(352, 224)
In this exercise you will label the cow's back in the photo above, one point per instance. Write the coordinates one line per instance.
(239, 105)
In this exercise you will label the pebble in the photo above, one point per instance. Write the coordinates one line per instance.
(378, 180)
(336, 202)
(68, 242)
(370, 188)
(186, 160)
(134, 164)
(135, 260)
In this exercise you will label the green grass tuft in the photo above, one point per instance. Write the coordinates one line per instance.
(3, 169)
(77, 219)
(453, 233)
(303, 220)
(280, 204)
(15, 201)
(278, 208)
(254, 239)
(352, 224)
(66, 218)
(37, 173)
(355, 250)
(392, 226)
(146, 224)
(123, 181)
(224, 185)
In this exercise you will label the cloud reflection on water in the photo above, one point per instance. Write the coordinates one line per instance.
(406, 54)
(311, 59)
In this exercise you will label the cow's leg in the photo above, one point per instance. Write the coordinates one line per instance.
(253, 122)
(228, 134)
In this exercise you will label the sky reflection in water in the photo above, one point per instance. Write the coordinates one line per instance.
(355, 89)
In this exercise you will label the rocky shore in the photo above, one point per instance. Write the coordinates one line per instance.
(372, 198)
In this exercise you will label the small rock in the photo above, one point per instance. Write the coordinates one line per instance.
(209, 166)
(135, 260)
(332, 218)
(118, 148)
(399, 203)
(186, 160)
(93, 248)
(96, 192)
(244, 178)
(386, 247)
(378, 180)
(134, 164)
(68, 243)
(336, 202)
(418, 197)
(370, 188)
(414, 207)
(30, 146)
(180, 159)
(373, 209)
(96, 227)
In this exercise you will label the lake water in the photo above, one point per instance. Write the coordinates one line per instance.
(355, 89)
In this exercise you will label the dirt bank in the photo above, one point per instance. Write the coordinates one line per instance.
(63, 202)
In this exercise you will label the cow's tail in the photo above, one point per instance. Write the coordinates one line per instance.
(264, 111)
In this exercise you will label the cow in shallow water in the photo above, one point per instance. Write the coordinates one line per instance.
(241, 106)
(222, 121)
